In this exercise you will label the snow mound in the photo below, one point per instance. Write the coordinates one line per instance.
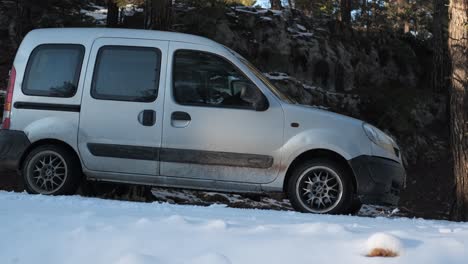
(142, 222)
(133, 258)
(383, 245)
(175, 219)
(210, 258)
(320, 228)
(216, 225)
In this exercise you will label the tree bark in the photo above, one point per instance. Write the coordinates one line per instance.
(13, 34)
(276, 4)
(365, 14)
(147, 15)
(345, 6)
(402, 6)
(458, 47)
(159, 14)
(112, 14)
(440, 68)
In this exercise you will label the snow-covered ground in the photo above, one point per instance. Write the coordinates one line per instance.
(43, 229)
(275, 202)
(99, 13)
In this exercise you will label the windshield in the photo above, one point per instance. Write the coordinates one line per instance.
(264, 79)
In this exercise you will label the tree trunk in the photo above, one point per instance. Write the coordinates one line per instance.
(402, 6)
(440, 68)
(147, 15)
(458, 47)
(112, 14)
(276, 4)
(345, 6)
(365, 14)
(13, 34)
(159, 14)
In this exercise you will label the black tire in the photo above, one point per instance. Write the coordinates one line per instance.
(32, 170)
(296, 191)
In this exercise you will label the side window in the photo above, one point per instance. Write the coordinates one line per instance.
(205, 79)
(53, 70)
(126, 74)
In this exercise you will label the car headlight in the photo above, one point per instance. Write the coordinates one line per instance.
(379, 138)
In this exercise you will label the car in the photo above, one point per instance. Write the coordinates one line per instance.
(176, 110)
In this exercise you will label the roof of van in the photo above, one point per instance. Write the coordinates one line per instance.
(80, 33)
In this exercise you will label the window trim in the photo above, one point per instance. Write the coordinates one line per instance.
(207, 105)
(77, 71)
(96, 64)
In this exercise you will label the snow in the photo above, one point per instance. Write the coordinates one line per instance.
(301, 27)
(131, 9)
(305, 34)
(231, 14)
(299, 34)
(62, 230)
(244, 9)
(99, 13)
(384, 241)
(278, 76)
(256, 11)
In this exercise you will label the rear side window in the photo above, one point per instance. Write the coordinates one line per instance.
(126, 74)
(53, 70)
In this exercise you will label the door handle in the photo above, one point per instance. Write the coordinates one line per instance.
(180, 119)
(147, 117)
(180, 116)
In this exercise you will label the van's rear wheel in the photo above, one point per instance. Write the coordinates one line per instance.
(51, 170)
(321, 186)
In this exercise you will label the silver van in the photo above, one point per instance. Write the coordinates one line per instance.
(176, 110)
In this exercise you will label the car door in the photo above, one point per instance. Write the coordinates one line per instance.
(122, 107)
(210, 132)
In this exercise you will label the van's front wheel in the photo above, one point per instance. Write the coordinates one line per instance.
(321, 186)
(51, 170)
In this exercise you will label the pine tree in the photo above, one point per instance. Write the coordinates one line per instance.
(458, 47)
(345, 6)
(158, 14)
(402, 7)
(112, 13)
(440, 44)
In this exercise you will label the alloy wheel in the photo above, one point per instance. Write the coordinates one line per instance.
(319, 189)
(47, 172)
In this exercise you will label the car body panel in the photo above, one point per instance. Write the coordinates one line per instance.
(223, 130)
(101, 124)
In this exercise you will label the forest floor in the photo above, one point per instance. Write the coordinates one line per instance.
(74, 229)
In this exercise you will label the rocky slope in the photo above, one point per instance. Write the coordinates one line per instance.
(379, 77)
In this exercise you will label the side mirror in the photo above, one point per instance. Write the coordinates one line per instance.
(251, 94)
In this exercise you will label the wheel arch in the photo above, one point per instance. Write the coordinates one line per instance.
(319, 153)
(48, 141)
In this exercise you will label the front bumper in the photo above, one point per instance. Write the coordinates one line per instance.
(12, 146)
(379, 180)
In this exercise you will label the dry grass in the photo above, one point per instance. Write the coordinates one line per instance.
(380, 252)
